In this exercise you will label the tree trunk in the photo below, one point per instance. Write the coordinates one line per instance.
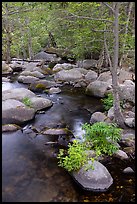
(116, 103)
(123, 57)
(8, 36)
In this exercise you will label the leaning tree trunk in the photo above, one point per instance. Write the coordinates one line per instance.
(119, 119)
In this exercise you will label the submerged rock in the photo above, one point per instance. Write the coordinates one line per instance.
(97, 179)
(128, 170)
(10, 127)
(56, 131)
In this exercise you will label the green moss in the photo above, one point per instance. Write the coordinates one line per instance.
(41, 86)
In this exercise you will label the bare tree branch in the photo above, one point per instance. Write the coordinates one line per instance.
(108, 6)
(86, 17)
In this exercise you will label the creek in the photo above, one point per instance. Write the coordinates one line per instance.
(29, 167)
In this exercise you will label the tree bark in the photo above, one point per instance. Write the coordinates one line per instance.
(8, 35)
(126, 31)
(116, 102)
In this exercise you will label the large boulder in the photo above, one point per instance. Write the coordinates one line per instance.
(97, 179)
(90, 76)
(27, 79)
(20, 105)
(16, 112)
(41, 85)
(97, 117)
(65, 66)
(17, 94)
(88, 63)
(97, 89)
(105, 76)
(127, 91)
(38, 103)
(47, 57)
(72, 75)
(32, 73)
(6, 69)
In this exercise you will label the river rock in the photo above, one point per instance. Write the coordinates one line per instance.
(128, 170)
(87, 64)
(56, 131)
(120, 154)
(16, 67)
(105, 76)
(10, 127)
(97, 117)
(130, 122)
(32, 73)
(5, 79)
(54, 90)
(127, 92)
(90, 76)
(16, 112)
(97, 179)
(6, 69)
(27, 79)
(41, 85)
(65, 66)
(48, 57)
(17, 94)
(40, 103)
(97, 89)
(68, 75)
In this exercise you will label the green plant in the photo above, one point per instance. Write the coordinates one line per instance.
(102, 137)
(27, 101)
(108, 101)
(74, 158)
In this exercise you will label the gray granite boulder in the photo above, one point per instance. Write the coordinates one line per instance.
(90, 76)
(97, 89)
(127, 91)
(97, 117)
(6, 69)
(27, 79)
(32, 73)
(16, 112)
(68, 75)
(20, 105)
(38, 103)
(97, 179)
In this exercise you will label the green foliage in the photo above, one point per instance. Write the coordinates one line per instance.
(75, 158)
(27, 101)
(100, 137)
(103, 137)
(108, 101)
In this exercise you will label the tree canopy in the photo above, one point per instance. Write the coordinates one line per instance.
(28, 27)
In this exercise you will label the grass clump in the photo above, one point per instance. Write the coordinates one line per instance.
(27, 101)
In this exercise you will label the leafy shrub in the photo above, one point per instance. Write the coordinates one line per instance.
(74, 158)
(108, 101)
(102, 137)
(27, 101)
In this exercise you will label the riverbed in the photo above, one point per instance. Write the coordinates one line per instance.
(29, 167)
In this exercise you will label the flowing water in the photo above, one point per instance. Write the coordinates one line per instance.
(29, 167)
